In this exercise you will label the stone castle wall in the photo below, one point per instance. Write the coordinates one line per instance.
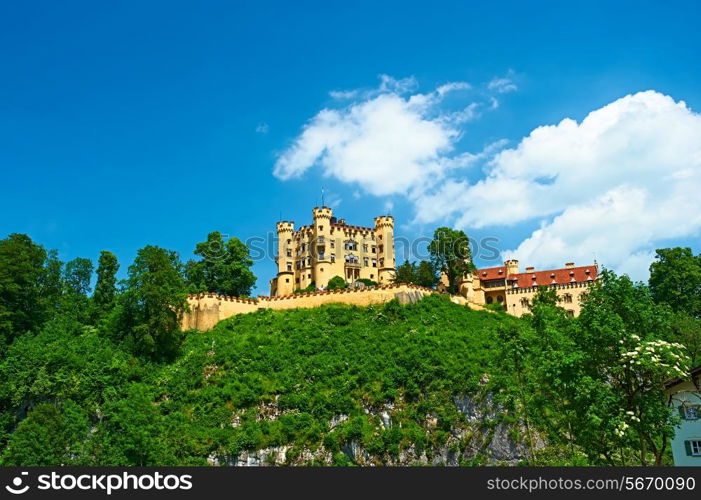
(207, 309)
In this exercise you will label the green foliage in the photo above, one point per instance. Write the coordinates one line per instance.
(422, 274)
(675, 279)
(106, 286)
(26, 287)
(450, 253)
(337, 283)
(225, 267)
(309, 288)
(154, 300)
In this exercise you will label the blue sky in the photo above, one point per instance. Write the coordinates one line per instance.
(157, 122)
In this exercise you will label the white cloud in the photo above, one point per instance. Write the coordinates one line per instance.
(385, 142)
(262, 128)
(625, 178)
(504, 84)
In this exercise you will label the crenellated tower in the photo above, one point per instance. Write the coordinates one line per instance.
(285, 257)
(321, 245)
(384, 239)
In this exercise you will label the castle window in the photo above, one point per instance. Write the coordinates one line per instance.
(525, 302)
(333, 257)
(366, 261)
(372, 276)
(500, 299)
(490, 299)
(374, 250)
(296, 280)
(374, 262)
(351, 259)
(289, 242)
(570, 313)
(568, 298)
(289, 266)
(382, 262)
(287, 280)
(333, 245)
(309, 276)
(381, 248)
(321, 255)
(321, 228)
(351, 245)
(365, 248)
(289, 253)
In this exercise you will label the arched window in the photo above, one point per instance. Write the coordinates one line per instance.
(490, 299)
(500, 299)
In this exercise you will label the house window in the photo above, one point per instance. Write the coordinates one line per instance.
(693, 448)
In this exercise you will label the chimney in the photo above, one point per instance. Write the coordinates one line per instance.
(569, 265)
(530, 269)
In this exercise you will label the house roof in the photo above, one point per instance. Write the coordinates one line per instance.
(694, 373)
(492, 273)
(555, 276)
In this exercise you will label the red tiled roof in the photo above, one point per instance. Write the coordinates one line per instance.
(555, 276)
(492, 273)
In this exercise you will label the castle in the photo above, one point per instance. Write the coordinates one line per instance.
(515, 290)
(313, 254)
(309, 257)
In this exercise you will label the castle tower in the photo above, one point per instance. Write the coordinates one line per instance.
(511, 267)
(321, 243)
(285, 258)
(384, 238)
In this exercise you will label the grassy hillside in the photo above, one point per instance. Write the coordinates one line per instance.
(335, 384)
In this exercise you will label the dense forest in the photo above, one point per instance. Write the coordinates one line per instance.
(101, 374)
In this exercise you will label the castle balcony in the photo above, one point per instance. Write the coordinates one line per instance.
(320, 241)
(352, 265)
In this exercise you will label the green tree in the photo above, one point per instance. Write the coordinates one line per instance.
(422, 274)
(405, 273)
(22, 273)
(48, 436)
(675, 279)
(426, 275)
(336, 283)
(154, 300)
(225, 267)
(77, 274)
(450, 253)
(106, 285)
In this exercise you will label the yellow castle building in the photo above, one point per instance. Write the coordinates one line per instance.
(329, 247)
(515, 290)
